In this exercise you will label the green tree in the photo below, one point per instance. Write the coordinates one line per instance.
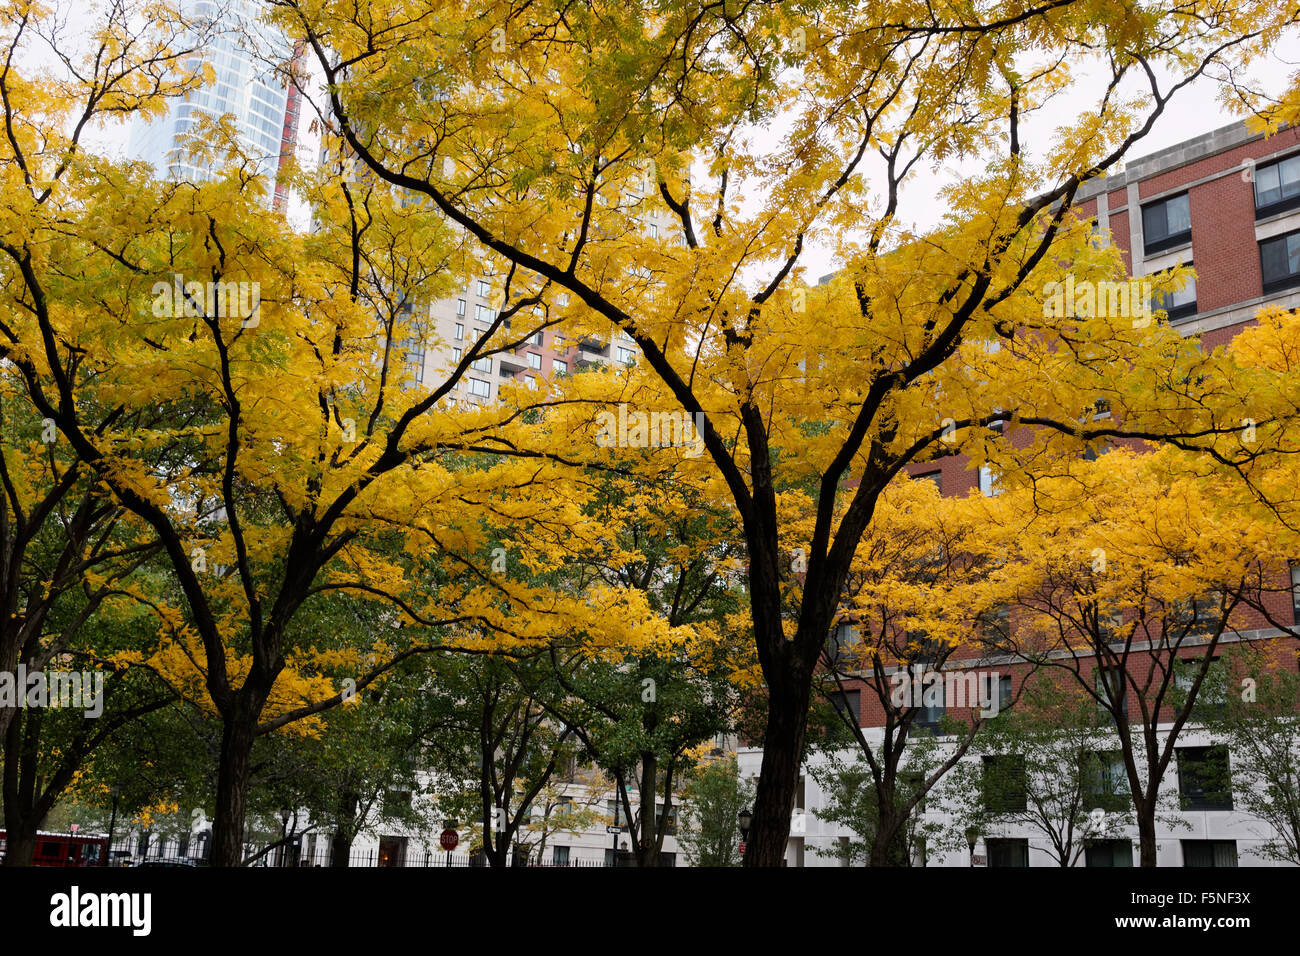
(713, 797)
(1258, 722)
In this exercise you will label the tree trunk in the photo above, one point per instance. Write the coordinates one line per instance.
(890, 846)
(341, 842)
(497, 849)
(237, 734)
(21, 840)
(783, 739)
(1146, 822)
(648, 846)
(21, 824)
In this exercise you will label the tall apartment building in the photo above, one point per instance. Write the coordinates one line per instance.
(241, 51)
(454, 324)
(457, 322)
(1228, 204)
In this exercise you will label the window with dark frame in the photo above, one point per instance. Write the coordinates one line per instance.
(1008, 852)
(1105, 781)
(927, 719)
(933, 476)
(843, 646)
(1204, 780)
(1178, 304)
(1108, 853)
(1109, 683)
(1277, 187)
(995, 623)
(672, 819)
(1211, 701)
(1005, 783)
(1279, 261)
(1295, 594)
(1201, 614)
(1166, 224)
(1210, 853)
(852, 699)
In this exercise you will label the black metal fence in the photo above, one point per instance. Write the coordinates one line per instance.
(141, 851)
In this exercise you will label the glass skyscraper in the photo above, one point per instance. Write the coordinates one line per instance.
(243, 53)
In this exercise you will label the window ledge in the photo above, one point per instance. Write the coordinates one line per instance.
(1164, 247)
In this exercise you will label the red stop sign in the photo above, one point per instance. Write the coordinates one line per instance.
(449, 839)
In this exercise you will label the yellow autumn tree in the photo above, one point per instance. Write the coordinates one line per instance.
(288, 457)
(549, 132)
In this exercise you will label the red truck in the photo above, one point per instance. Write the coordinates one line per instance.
(65, 849)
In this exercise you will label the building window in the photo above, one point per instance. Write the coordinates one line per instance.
(1166, 224)
(480, 388)
(1008, 852)
(1004, 783)
(842, 645)
(482, 365)
(989, 482)
(1277, 187)
(626, 355)
(1108, 853)
(1110, 687)
(560, 856)
(460, 331)
(484, 313)
(534, 361)
(672, 819)
(537, 338)
(1295, 593)
(460, 306)
(850, 699)
(1204, 779)
(1004, 692)
(530, 381)
(559, 366)
(1105, 781)
(1199, 615)
(1110, 626)
(932, 476)
(995, 624)
(484, 290)
(927, 719)
(1177, 305)
(415, 359)
(1211, 701)
(455, 354)
(654, 231)
(1279, 261)
(1210, 853)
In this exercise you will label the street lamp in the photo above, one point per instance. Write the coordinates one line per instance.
(972, 834)
(745, 818)
(284, 831)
